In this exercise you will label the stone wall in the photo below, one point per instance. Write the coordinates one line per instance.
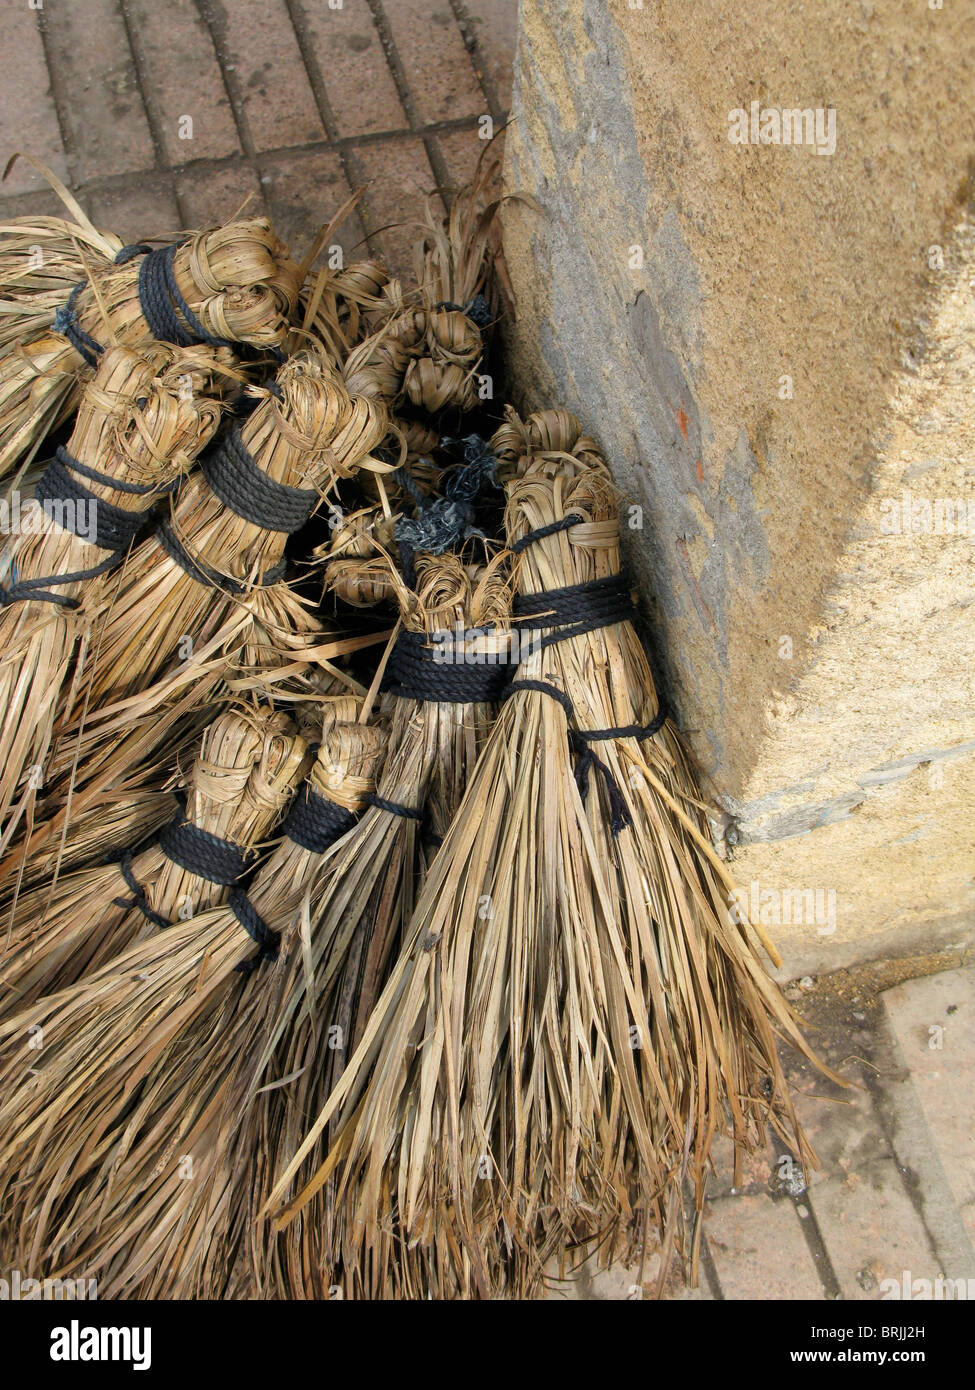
(775, 344)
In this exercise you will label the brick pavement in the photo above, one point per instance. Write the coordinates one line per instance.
(163, 114)
(160, 116)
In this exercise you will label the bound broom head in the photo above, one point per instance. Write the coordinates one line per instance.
(496, 1094)
(305, 434)
(237, 282)
(430, 336)
(357, 567)
(61, 930)
(102, 1038)
(692, 983)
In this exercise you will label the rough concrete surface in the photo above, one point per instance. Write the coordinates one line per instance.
(772, 345)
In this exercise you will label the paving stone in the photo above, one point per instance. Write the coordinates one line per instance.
(842, 1127)
(438, 68)
(495, 27)
(358, 82)
(622, 1283)
(183, 78)
(91, 58)
(138, 210)
(263, 52)
(933, 1019)
(209, 196)
(44, 203)
(304, 192)
(759, 1250)
(872, 1230)
(398, 178)
(461, 151)
(28, 119)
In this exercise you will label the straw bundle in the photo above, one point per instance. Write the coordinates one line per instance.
(212, 572)
(159, 1235)
(57, 932)
(137, 430)
(66, 1120)
(119, 819)
(497, 1086)
(231, 284)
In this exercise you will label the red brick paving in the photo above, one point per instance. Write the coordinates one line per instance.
(182, 78)
(106, 121)
(434, 60)
(356, 74)
(298, 102)
(27, 100)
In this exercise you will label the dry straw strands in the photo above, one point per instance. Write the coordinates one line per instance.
(497, 1086)
(118, 754)
(237, 285)
(137, 430)
(361, 899)
(57, 932)
(155, 1230)
(65, 1116)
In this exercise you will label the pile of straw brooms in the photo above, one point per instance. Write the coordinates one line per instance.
(362, 929)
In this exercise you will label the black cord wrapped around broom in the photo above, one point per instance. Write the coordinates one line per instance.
(59, 931)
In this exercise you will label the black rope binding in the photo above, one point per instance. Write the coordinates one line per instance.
(195, 850)
(256, 928)
(115, 527)
(394, 808)
(315, 823)
(574, 611)
(420, 668)
(478, 310)
(205, 855)
(236, 480)
(67, 323)
(138, 898)
(163, 307)
(441, 523)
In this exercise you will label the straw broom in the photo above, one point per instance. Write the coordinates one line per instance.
(137, 430)
(505, 1088)
(60, 931)
(64, 1117)
(362, 898)
(159, 1235)
(230, 284)
(691, 1018)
